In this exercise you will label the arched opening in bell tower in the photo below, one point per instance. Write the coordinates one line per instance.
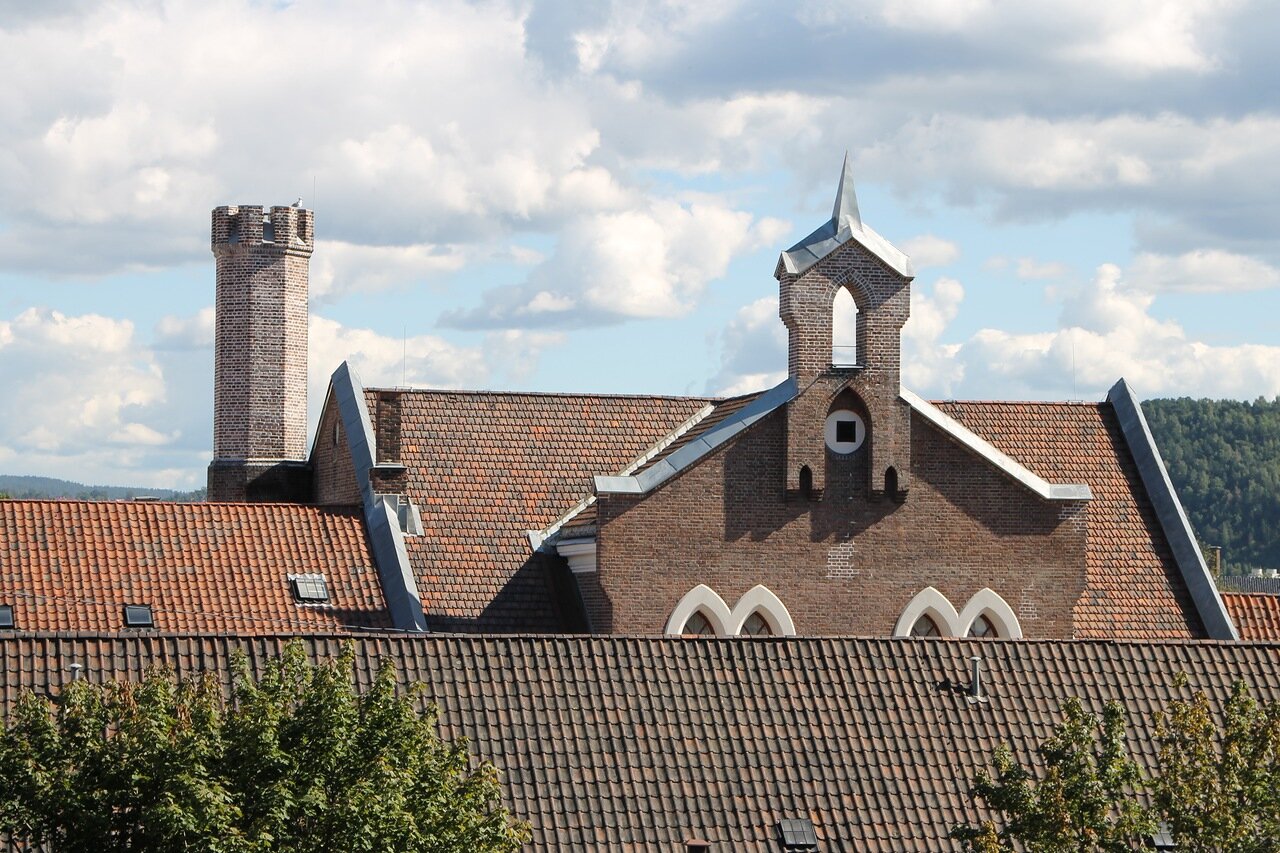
(844, 330)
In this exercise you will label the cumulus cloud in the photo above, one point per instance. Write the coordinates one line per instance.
(419, 360)
(1107, 330)
(652, 262)
(753, 350)
(1201, 271)
(928, 250)
(77, 381)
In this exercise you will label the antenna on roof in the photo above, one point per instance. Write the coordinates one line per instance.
(404, 357)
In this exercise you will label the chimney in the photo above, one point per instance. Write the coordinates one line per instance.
(262, 260)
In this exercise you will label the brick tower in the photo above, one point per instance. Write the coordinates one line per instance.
(260, 354)
(844, 253)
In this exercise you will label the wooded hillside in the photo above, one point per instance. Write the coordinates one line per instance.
(1224, 459)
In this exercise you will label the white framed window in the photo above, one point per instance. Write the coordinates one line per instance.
(931, 614)
(758, 613)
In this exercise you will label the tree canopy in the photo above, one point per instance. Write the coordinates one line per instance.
(1224, 459)
(300, 761)
(1214, 788)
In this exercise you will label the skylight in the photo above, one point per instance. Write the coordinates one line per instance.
(138, 616)
(310, 589)
(797, 834)
(6, 615)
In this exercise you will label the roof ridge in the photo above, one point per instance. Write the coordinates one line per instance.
(592, 394)
(665, 639)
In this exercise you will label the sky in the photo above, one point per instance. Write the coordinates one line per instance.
(592, 197)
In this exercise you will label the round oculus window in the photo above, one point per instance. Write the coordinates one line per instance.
(845, 431)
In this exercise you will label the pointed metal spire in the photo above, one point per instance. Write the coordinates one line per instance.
(845, 211)
(845, 224)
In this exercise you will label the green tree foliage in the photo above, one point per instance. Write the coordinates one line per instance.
(1215, 786)
(300, 762)
(1218, 786)
(1081, 802)
(1224, 459)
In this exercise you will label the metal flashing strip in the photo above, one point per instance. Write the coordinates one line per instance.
(1173, 519)
(982, 447)
(669, 439)
(399, 587)
(657, 474)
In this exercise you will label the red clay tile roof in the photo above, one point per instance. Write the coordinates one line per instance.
(73, 565)
(486, 467)
(723, 409)
(1257, 615)
(623, 743)
(1134, 589)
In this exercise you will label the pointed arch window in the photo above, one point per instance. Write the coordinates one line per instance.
(844, 329)
(702, 612)
(985, 615)
(756, 626)
(926, 627)
(698, 625)
(982, 628)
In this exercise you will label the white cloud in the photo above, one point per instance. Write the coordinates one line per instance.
(928, 250)
(1201, 271)
(753, 350)
(341, 269)
(652, 261)
(1029, 269)
(928, 362)
(1107, 331)
(75, 382)
(418, 360)
(192, 332)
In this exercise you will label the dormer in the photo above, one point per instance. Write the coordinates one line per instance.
(845, 256)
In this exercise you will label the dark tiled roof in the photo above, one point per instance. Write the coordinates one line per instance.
(616, 743)
(1133, 589)
(487, 467)
(1257, 615)
(73, 565)
(1235, 583)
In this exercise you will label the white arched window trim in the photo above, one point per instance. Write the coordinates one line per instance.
(759, 599)
(985, 602)
(928, 602)
(706, 599)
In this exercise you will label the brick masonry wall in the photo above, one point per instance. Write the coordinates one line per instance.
(260, 353)
(845, 564)
(334, 474)
(884, 303)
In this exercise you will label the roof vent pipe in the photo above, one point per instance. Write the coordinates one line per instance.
(976, 693)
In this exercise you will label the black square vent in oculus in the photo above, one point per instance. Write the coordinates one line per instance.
(797, 834)
(138, 616)
(847, 431)
(6, 616)
(310, 589)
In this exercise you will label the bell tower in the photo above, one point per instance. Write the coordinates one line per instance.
(844, 254)
(262, 259)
